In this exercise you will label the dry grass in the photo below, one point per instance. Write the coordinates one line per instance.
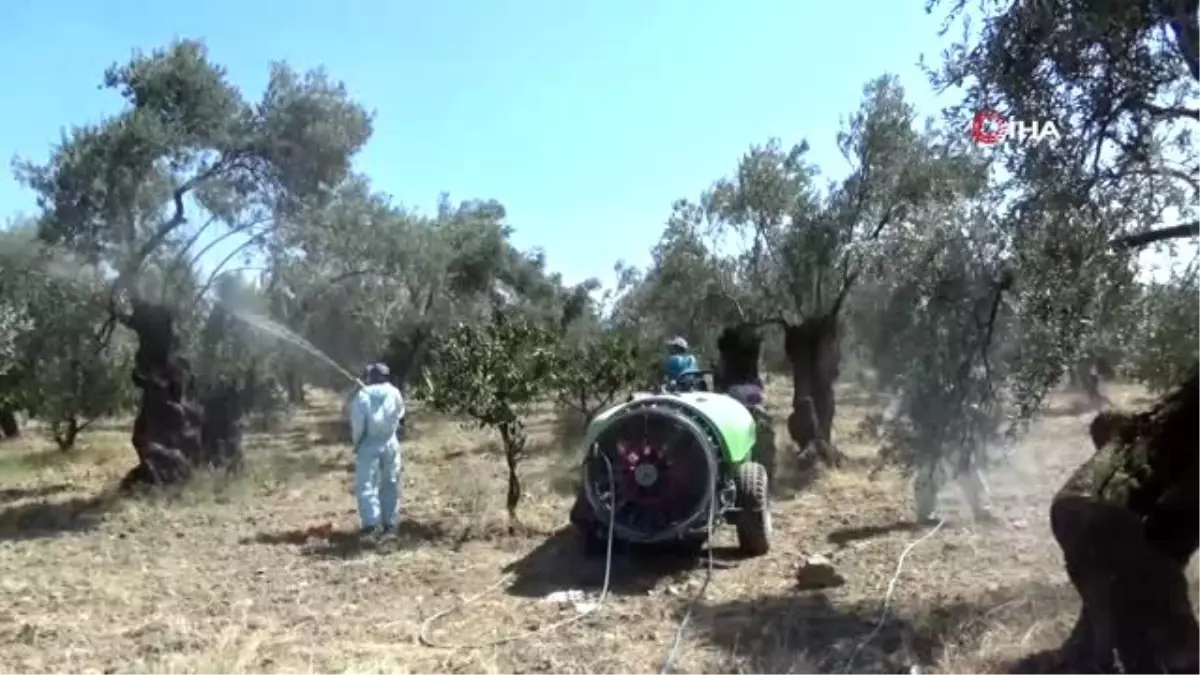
(262, 575)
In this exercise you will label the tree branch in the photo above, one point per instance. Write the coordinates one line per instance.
(852, 261)
(985, 345)
(1141, 239)
(1171, 112)
(178, 218)
(723, 287)
(763, 244)
(191, 242)
(773, 321)
(333, 281)
(180, 259)
(847, 284)
(1181, 18)
(221, 265)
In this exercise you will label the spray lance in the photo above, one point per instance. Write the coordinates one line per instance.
(359, 385)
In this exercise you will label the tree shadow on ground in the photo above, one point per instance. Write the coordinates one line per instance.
(38, 492)
(559, 563)
(810, 633)
(327, 543)
(798, 471)
(52, 518)
(846, 535)
(313, 464)
(1042, 662)
(296, 438)
(111, 424)
(303, 464)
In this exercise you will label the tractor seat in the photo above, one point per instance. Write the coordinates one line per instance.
(749, 395)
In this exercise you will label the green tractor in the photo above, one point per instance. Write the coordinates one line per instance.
(657, 468)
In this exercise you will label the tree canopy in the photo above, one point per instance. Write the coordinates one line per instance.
(964, 280)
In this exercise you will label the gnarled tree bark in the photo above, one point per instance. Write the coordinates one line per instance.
(738, 349)
(1128, 522)
(736, 374)
(9, 426)
(172, 434)
(814, 351)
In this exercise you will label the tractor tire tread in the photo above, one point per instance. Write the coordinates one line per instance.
(754, 508)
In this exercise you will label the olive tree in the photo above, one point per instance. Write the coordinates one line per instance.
(688, 289)
(492, 372)
(1116, 80)
(15, 322)
(187, 153)
(1168, 321)
(806, 248)
(929, 320)
(593, 371)
(54, 370)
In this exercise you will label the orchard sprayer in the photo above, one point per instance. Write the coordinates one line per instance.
(667, 465)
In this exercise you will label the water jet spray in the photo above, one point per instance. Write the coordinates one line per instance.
(275, 330)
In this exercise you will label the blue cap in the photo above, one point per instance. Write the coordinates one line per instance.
(378, 370)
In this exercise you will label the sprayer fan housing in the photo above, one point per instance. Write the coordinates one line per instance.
(658, 466)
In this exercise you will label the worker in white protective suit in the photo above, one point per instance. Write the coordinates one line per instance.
(933, 474)
(376, 419)
(934, 471)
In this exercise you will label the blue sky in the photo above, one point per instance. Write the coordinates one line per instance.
(586, 118)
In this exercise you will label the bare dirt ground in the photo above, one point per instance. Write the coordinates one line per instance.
(264, 573)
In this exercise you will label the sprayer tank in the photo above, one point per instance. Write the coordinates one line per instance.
(732, 421)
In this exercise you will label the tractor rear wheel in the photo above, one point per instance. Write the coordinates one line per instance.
(753, 520)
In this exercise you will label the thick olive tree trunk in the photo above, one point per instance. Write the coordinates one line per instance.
(9, 427)
(736, 374)
(814, 352)
(294, 384)
(1128, 521)
(738, 349)
(172, 434)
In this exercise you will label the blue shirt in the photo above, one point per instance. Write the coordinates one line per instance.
(678, 364)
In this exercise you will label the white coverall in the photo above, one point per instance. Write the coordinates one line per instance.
(932, 475)
(376, 412)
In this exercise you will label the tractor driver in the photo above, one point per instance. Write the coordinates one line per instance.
(681, 366)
